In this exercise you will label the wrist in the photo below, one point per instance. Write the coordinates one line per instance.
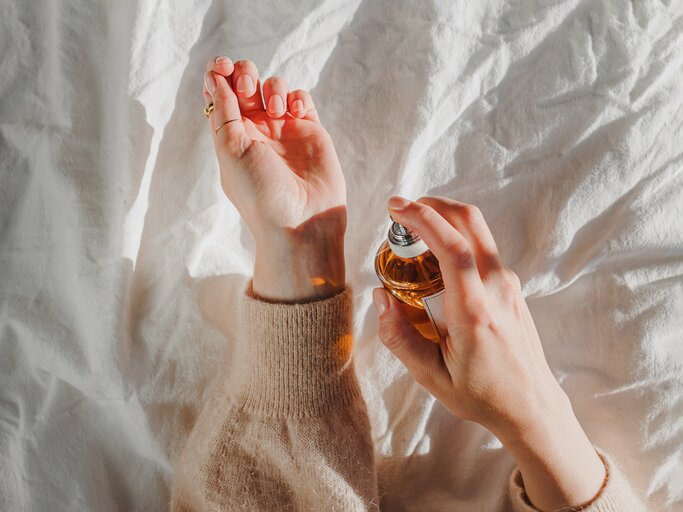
(559, 464)
(533, 417)
(540, 433)
(300, 265)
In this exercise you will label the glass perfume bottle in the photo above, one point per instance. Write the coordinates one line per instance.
(411, 273)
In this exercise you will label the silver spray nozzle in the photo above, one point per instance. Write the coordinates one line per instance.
(401, 235)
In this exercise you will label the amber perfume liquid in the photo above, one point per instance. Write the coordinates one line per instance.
(411, 273)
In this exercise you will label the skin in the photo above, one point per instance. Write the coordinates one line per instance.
(279, 167)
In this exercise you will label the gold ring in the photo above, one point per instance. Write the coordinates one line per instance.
(208, 109)
(223, 124)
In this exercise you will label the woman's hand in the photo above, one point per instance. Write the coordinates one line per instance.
(279, 168)
(491, 368)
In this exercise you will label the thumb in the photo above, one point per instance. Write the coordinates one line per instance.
(420, 356)
(226, 108)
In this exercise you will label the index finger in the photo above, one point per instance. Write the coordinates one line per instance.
(456, 260)
(469, 221)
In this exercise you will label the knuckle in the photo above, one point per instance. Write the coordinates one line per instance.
(477, 313)
(510, 286)
(471, 213)
(465, 259)
(492, 327)
(490, 261)
(421, 212)
(440, 204)
(427, 200)
(461, 257)
(507, 291)
(512, 279)
(477, 318)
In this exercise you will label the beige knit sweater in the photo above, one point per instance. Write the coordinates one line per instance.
(291, 432)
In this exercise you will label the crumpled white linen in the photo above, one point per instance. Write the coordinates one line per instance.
(121, 261)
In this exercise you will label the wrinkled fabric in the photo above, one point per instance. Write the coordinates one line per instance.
(121, 261)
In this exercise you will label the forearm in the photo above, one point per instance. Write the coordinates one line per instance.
(292, 429)
(558, 463)
(299, 380)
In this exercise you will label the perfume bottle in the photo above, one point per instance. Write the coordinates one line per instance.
(411, 273)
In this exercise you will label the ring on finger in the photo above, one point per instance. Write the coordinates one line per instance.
(223, 124)
(208, 109)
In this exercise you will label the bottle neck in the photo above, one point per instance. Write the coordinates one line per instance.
(409, 251)
(403, 243)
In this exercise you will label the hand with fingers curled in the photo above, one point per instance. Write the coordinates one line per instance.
(490, 368)
(279, 168)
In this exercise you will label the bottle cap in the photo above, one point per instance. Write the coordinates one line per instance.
(403, 243)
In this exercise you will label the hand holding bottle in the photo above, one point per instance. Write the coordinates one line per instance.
(491, 368)
(280, 170)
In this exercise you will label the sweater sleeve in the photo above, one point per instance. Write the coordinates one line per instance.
(616, 494)
(291, 431)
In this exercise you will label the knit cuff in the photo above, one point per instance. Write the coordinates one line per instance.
(616, 495)
(298, 356)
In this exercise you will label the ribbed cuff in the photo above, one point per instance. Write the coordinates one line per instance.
(298, 356)
(616, 495)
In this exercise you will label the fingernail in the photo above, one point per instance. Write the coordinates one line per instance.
(245, 84)
(398, 203)
(219, 59)
(379, 297)
(297, 106)
(210, 82)
(276, 105)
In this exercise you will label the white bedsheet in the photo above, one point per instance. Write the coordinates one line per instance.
(120, 259)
